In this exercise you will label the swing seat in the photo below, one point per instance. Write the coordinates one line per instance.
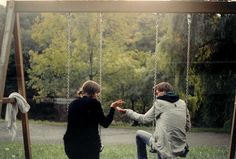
(179, 154)
(184, 152)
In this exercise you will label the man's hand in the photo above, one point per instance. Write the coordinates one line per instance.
(121, 110)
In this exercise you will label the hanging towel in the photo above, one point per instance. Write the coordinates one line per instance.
(12, 110)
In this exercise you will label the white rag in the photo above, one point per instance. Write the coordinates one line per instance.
(12, 110)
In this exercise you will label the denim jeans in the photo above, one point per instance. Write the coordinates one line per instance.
(142, 139)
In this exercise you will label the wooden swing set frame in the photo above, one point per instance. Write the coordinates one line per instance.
(12, 26)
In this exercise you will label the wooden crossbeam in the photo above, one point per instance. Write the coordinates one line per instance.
(8, 100)
(124, 6)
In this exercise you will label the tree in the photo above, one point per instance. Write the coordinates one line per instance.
(218, 71)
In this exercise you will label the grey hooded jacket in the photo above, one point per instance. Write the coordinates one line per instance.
(172, 123)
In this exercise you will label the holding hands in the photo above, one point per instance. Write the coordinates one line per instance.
(117, 105)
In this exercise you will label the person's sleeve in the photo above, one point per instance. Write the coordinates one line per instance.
(105, 121)
(188, 121)
(148, 117)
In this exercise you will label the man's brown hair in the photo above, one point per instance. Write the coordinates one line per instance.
(163, 87)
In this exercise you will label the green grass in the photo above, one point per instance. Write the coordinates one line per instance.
(15, 150)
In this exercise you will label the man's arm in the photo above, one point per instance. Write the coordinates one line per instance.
(149, 116)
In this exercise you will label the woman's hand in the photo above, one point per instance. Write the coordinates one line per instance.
(117, 103)
(121, 110)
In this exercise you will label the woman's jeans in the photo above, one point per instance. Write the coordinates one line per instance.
(142, 139)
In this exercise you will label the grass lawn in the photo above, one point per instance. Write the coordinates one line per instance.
(15, 150)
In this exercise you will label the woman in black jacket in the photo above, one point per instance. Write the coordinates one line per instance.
(82, 139)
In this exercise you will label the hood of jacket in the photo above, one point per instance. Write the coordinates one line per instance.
(170, 97)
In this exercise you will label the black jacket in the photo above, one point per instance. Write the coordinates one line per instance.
(82, 133)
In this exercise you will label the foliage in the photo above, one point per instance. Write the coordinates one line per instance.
(123, 67)
(217, 69)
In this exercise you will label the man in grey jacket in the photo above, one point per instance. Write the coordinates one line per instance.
(172, 122)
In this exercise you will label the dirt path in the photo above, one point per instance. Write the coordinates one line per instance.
(53, 134)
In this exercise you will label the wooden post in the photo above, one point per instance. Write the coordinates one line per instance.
(21, 86)
(232, 145)
(6, 45)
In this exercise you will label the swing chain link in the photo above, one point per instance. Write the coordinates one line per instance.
(68, 56)
(189, 21)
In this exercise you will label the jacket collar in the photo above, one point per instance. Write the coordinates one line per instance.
(169, 96)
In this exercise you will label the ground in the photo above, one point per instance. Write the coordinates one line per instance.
(41, 133)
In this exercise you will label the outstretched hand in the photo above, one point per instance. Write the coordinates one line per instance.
(117, 103)
(121, 110)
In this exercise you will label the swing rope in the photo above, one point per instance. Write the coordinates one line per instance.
(189, 21)
(68, 56)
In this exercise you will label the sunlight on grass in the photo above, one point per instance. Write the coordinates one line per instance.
(56, 151)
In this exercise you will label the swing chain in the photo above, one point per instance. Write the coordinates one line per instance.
(155, 53)
(155, 63)
(68, 56)
(100, 65)
(100, 52)
(189, 21)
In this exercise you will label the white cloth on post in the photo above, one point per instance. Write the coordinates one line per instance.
(12, 110)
